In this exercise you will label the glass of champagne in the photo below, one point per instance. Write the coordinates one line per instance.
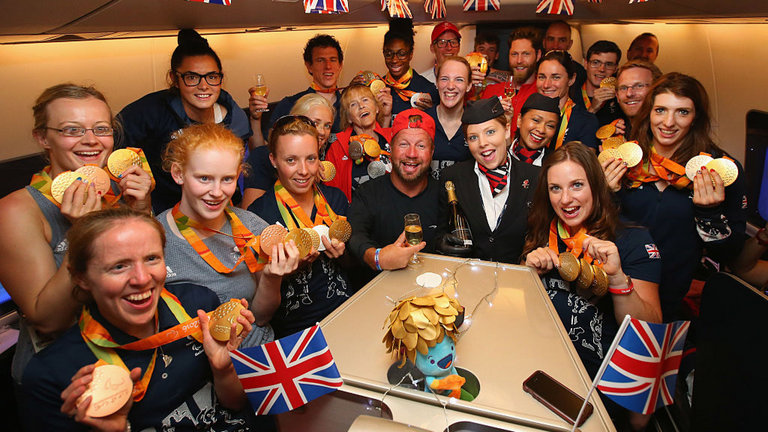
(260, 88)
(413, 233)
(509, 90)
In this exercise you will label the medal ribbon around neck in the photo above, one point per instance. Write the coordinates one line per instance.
(245, 241)
(666, 169)
(401, 84)
(292, 212)
(587, 101)
(100, 342)
(573, 242)
(319, 89)
(566, 115)
(42, 181)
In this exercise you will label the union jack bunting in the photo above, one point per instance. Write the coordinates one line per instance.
(397, 8)
(435, 8)
(637, 1)
(594, 1)
(218, 2)
(642, 371)
(481, 5)
(554, 7)
(326, 6)
(285, 374)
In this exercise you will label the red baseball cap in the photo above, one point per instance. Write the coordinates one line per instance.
(443, 27)
(413, 118)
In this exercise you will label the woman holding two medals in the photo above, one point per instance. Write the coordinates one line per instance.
(703, 208)
(320, 284)
(594, 268)
(75, 127)
(213, 244)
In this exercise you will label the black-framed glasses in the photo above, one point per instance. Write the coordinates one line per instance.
(402, 54)
(635, 87)
(288, 119)
(192, 79)
(78, 131)
(441, 43)
(597, 64)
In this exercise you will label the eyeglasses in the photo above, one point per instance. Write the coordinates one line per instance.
(441, 43)
(78, 131)
(192, 79)
(402, 54)
(634, 87)
(597, 64)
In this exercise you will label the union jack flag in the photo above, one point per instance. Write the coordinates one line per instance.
(326, 6)
(554, 7)
(481, 5)
(435, 8)
(218, 2)
(642, 371)
(637, 1)
(653, 251)
(285, 374)
(397, 8)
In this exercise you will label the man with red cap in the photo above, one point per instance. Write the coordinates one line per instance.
(379, 205)
(446, 42)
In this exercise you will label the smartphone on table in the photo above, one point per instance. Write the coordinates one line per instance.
(557, 397)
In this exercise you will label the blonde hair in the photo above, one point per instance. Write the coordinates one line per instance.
(202, 136)
(357, 90)
(309, 101)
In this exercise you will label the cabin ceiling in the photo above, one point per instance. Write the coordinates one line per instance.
(51, 20)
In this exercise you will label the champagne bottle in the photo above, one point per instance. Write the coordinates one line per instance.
(458, 224)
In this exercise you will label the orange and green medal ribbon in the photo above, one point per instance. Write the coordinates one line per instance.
(292, 213)
(319, 89)
(666, 169)
(401, 84)
(245, 241)
(587, 101)
(100, 342)
(565, 113)
(574, 243)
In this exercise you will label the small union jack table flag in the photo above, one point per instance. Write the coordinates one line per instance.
(481, 5)
(285, 374)
(642, 371)
(326, 6)
(555, 7)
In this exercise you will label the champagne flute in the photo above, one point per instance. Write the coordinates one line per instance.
(509, 89)
(413, 234)
(260, 88)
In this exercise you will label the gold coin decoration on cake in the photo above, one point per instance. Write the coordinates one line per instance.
(376, 86)
(122, 159)
(372, 148)
(420, 323)
(340, 230)
(110, 389)
(302, 240)
(609, 82)
(271, 236)
(613, 142)
(586, 276)
(606, 131)
(695, 163)
(223, 317)
(322, 231)
(600, 284)
(569, 266)
(607, 154)
(315, 238)
(96, 176)
(327, 171)
(61, 183)
(631, 153)
(726, 168)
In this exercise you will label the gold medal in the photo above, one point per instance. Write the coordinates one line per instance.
(271, 236)
(726, 168)
(327, 171)
(600, 284)
(695, 163)
(631, 153)
(120, 160)
(376, 86)
(609, 82)
(95, 176)
(569, 266)
(340, 230)
(606, 131)
(315, 238)
(302, 240)
(62, 182)
(110, 389)
(585, 278)
(222, 319)
(613, 142)
(607, 154)
(372, 148)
